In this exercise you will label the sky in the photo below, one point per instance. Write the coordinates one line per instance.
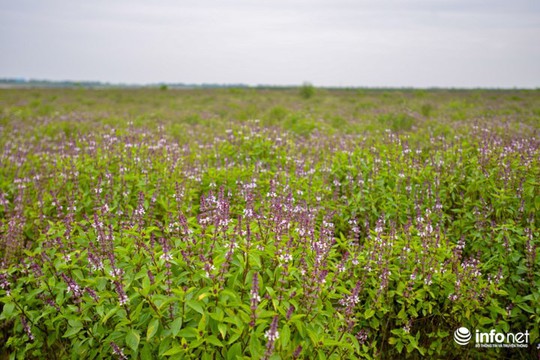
(364, 43)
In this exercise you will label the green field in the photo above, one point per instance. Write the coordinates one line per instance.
(264, 223)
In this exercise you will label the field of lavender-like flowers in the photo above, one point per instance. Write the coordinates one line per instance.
(267, 224)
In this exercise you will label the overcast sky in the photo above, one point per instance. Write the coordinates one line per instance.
(421, 43)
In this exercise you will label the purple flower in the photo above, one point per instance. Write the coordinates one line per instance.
(272, 335)
(118, 352)
(290, 312)
(92, 294)
(73, 287)
(297, 352)
(122, 297)
(27, 329)
(4, 282)
(362, 336)
(36, 269)
(94, 259)
(255, 298)
(151, 277)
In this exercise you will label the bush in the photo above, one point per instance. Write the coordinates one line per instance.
(307, 91)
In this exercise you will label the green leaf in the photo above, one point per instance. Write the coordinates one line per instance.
(313, 336)
(202, 323)
(164, 345)
(399, 346)
(222, 330)
(146, 352)
(255, 348)
(72, 331)
(8, 310)
(217, 315)
(214, 341)
(195, 305)
(152, 329)
(526, 307)
(236, 333)
(300, 327)
(109, 314)
(285, 335)
(132, 339)
(75, 323)
(234, 351)
(145, 286)
(176, 325)
(173, 351)
(189, 333)
(369, 313)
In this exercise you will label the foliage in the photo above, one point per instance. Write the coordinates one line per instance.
(189, 229)
(307, 90)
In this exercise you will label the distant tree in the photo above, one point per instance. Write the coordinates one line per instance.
(307, 90)
(163, 87)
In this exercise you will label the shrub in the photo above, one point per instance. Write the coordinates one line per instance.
(307, 91)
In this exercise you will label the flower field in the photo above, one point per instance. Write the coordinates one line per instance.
(267, 224)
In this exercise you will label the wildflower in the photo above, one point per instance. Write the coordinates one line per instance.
(92, 293)
(362, 336)
(290, 312)
(122, 297)
(118, 352)
(255, 298)
(150, 277)
(285, 258)
(298, 351)
(4, 283)
(115, 272)
(349, 301)
(36, 269)
(272, 335)
(95, 262)
(407, 327)
(166, 256)
(208, 268)
(248, 213)
(509, 309)
(27, 329)
(73, 287)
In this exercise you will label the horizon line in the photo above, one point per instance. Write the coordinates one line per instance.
(35, 82)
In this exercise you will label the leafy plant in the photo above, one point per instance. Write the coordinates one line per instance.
(182, 233)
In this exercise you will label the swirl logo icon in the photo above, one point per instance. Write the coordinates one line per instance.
(462, 336)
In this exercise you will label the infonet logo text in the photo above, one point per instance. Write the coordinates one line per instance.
(463, 336)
